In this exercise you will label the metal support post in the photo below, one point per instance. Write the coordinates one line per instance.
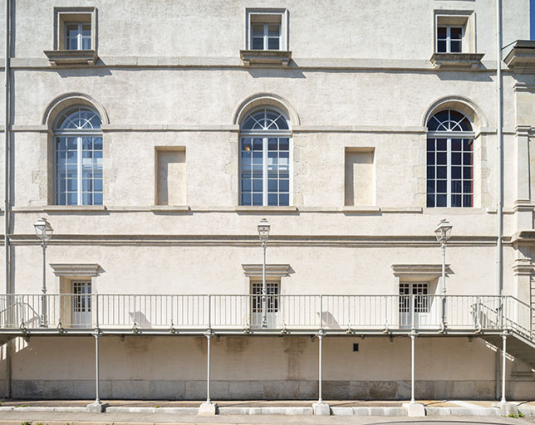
(264, 288)
(44, 319)
(97, 406)
(443, 286)
(97, 374)
(320, 379)
(321, 408)
(209, 338)
(504, 350)
(413, 337)
(208, 408)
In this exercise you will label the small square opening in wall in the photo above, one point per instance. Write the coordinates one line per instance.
(355, 348)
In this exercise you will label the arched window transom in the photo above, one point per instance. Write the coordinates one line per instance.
(79, 119)
(265, 159)
(449, 120)
(450, 160)
(78, 158)
(265, 120)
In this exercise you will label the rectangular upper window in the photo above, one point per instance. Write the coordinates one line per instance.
(77, 36)
(454, 32)
(266, 37)
(266, 29)
(75, 28)
(450, 39)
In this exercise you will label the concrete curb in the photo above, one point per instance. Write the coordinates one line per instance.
(294, 411)
(42, 409)
(168, 410)
(462, 411)
(281, 411)
(369, 411)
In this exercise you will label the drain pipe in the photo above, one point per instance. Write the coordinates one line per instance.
(499, 155)
(7, 206)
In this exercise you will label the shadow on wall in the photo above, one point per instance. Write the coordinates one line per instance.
(275, 73)
(86, 72)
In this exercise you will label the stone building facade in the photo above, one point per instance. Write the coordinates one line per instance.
(154, 135)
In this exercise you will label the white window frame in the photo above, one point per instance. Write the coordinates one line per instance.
(79, 36)
(273, 303)
(266, 37)
(265, 135)
(64, 16)
(257, 16)
(79, 135)
(449, 135)
(449, 39)
(81, 304)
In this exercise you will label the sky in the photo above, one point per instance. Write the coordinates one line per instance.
(532, 18)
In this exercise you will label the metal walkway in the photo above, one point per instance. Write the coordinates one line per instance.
(504, 321)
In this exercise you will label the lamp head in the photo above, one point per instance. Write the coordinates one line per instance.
(43, 230)
(443, 231)
(263, 229)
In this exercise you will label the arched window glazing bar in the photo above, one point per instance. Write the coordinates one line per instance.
(265, 159)
(450, 160)
(78, 158)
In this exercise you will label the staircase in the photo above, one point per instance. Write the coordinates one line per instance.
(517, 346)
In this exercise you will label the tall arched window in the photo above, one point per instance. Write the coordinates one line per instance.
(265, 159)
(78, 157)
(450, 160)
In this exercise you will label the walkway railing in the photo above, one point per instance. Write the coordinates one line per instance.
(380, 313)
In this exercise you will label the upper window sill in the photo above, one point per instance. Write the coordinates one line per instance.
(170, 208)
(71, 57)
(263, 209)
(266, 57)
(457, 61)
(73, 208)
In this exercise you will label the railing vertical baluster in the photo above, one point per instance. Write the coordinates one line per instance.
(96, 311)
(504, 312)
(321, 312)
(172, 312)
(478, 314)
(413, 315)
(210, 311)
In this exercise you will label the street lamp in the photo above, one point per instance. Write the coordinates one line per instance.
(443, 234)
(263, 233)
(44, 232)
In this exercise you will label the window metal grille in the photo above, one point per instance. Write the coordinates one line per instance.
(421, 299)
(82, 298)
(272, 299)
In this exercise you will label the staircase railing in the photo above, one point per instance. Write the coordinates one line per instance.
(518, 317)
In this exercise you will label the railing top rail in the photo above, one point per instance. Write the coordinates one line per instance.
(519, 301)
(275, 295)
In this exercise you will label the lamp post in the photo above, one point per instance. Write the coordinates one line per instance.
(44, 232)
(263, 233)
(443, 233)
